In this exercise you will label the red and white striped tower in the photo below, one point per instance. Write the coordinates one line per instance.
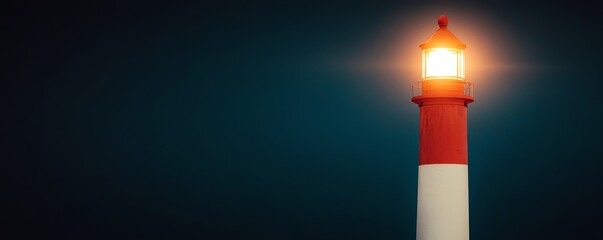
(443, 95)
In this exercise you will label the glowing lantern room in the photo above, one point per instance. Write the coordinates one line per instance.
(443, 55)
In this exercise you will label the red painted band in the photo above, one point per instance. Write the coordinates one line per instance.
(443, 134)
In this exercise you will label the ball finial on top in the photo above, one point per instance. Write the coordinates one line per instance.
(443, 21)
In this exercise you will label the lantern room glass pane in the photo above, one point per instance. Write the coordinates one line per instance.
(443, 63)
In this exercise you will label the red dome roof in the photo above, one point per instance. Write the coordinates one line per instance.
(442, 38)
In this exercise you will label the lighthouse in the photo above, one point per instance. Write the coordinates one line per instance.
(443, 95)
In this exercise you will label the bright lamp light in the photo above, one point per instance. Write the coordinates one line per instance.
(443, 63)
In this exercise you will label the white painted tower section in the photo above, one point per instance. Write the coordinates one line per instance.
(443, 202)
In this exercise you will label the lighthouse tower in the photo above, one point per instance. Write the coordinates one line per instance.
(443, 95)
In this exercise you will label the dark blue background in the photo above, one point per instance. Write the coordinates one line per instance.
(207, 120)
